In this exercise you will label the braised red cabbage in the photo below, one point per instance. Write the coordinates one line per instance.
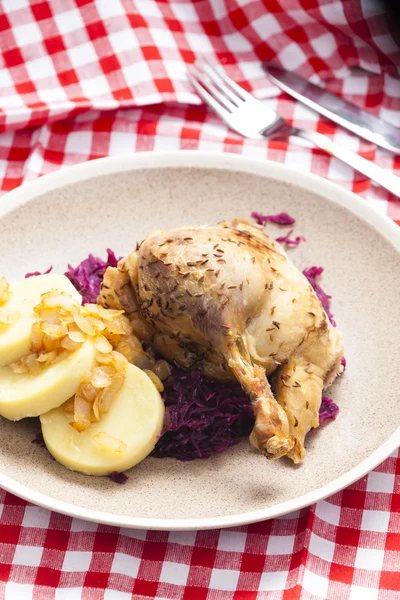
(203, 416)
(286, 239)
(118, 477)
(36, 273)
(206, 416)
(279, 219)
(39, 440)
(88, 275)
(328, 409)
(312, 274)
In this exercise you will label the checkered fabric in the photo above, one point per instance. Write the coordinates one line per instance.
(81, 79)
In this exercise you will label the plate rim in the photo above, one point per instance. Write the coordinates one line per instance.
(230, 162)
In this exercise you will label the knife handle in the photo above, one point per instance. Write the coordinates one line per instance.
(387, 180)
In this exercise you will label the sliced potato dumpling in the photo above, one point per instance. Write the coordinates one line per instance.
(122, 438)
(25, 395)
(22, 297)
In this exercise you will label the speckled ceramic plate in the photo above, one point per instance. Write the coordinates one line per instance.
(115, 202)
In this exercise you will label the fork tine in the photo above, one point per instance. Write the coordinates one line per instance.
(210, 87)
(218, 83)
(243, 95)
(206, 96)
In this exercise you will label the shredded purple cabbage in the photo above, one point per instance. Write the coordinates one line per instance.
(328, 409)
(286, 239)
(39, 440)
(279, 219)
(206, 416)
(36, 273)
(343, 362)
(117, 477)
(88, 275)
(203, 416)
(312, 274)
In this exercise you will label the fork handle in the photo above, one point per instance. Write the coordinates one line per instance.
(387, 180)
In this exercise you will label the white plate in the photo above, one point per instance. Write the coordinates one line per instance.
(115, 202)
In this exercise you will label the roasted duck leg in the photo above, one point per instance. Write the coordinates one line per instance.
(228, 301)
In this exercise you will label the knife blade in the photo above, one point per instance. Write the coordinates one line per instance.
(341, 111)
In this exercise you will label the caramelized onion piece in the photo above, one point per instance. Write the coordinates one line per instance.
(76, 336)
(155, 379)
(103, 345)
(84, 325)
(101, 378)
(110, 442)
(82, 414)
(162, 369)
(58, 301)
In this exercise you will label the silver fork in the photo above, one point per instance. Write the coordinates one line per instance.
(252, 119)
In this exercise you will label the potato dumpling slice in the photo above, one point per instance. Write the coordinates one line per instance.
(15, 338)
(25, 395)
(122, 438)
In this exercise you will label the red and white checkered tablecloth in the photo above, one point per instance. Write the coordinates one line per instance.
(81, 79)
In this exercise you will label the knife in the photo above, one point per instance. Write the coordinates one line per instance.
(336, 109)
